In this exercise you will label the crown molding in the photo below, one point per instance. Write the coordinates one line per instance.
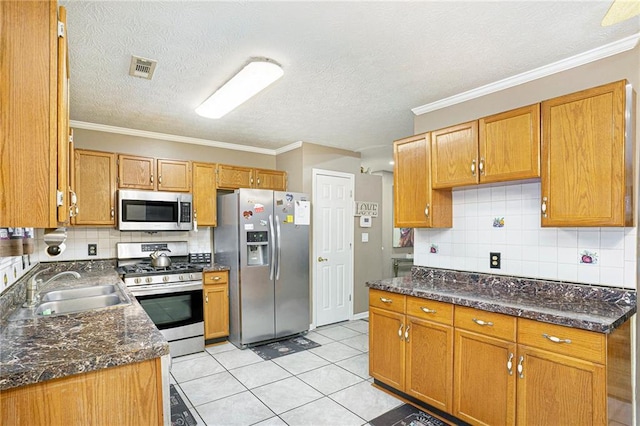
(592, 55)
(167, 137)
(289, 147)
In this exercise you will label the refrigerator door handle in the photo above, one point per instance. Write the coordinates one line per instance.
(278, 236)
(273, 247)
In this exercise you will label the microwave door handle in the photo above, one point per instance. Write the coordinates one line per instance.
(179, 209)
(279, 247)
(273, 251)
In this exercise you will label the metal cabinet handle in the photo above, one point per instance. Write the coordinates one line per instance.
(426, 210)
(206, 299)
(510, 364)
(400, 331)
(482, 323)
(544, 206)
(113, 212)
(385, 300)
(151, 178)
(481, 166)
(427, 310)
(258, 181)
(406, 334)
(521, 367)
(555, 339)
(473, 167)
(160, 179)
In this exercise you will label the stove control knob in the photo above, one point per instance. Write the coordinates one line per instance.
(165, 278)
(180, 277)
(137, 280)
(190, 276)
(148, 279)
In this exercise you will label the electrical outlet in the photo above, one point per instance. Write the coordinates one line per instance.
(93, 249)
(494, 260)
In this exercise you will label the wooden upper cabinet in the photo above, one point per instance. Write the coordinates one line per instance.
(95, 184)
(235, 177)
(174, 175)
(34, 105)
(509, 145)
(416, 205)
(454, 153)
(587, 164)
(136, 172)
(270, 179)
(204, 194)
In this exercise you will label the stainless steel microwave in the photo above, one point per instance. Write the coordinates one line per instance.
(154, 211)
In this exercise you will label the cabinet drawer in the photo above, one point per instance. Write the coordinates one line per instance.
(386, 300)
(430, 310)
(487, 323)
(215, 277)
(574, 342)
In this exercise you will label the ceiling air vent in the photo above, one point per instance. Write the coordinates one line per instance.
(142, 67)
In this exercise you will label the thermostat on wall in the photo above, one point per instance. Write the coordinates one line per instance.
(365, 221)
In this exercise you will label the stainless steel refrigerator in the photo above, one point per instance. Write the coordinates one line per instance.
(263, 236)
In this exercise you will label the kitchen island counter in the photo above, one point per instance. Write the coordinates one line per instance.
(45, 348)
(594, 308)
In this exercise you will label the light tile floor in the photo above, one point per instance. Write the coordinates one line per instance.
(328, 385)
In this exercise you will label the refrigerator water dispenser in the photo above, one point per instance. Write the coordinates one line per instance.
(257, 248)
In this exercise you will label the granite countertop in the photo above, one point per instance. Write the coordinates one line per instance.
(42, 349)
(594, 308)
(215, 267)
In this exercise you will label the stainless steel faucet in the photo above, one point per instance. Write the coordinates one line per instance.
(35, 286)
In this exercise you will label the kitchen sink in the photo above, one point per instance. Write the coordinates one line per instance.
(75, 293)
(73, 300)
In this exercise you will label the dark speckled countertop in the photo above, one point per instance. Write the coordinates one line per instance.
(215, 267)
(594, 308)
(41, 349)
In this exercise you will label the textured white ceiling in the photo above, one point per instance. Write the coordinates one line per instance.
(353, 70)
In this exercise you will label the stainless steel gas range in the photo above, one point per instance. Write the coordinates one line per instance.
(171, 295)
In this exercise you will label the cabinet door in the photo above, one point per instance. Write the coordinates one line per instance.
(234, 177)
(387, 347)
(559, 390)
(416, 205)
(95, 184)
(585, 163)
(204, 194)
(509, 145)
(429, 368)
(454, 153)
(484, 390)
(136, 172)
(270, 179)
(216, 311)
(174, 175)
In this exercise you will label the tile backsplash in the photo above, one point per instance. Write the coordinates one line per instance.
(506, 219)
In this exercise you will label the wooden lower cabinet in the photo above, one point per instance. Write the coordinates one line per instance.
(125, 395)
(216, 304)
(411, 353)
(484, 390)
(506, 370)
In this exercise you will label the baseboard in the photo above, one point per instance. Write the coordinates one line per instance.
(361, 315)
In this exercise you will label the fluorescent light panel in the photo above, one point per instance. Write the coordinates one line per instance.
(252, 79)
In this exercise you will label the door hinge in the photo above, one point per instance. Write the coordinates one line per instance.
(351, 194)
(59, 198)
(349, 298)
(70, 137)
(117, 179)
(60, 29)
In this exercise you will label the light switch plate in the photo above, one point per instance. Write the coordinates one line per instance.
(365, 237)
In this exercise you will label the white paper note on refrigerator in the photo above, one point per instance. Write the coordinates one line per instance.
(302, 213)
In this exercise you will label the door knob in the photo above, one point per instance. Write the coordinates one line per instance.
(322, 259)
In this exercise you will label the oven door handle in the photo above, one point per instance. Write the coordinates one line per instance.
(148, 290)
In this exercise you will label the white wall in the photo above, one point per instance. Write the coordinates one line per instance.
(527, 249)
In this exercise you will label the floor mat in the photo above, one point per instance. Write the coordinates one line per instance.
(406, 415)
(180, 414)
(284, 347)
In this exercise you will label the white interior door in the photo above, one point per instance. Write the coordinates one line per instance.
(333, 246)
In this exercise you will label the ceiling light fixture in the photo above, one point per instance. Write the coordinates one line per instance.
(254, 77)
